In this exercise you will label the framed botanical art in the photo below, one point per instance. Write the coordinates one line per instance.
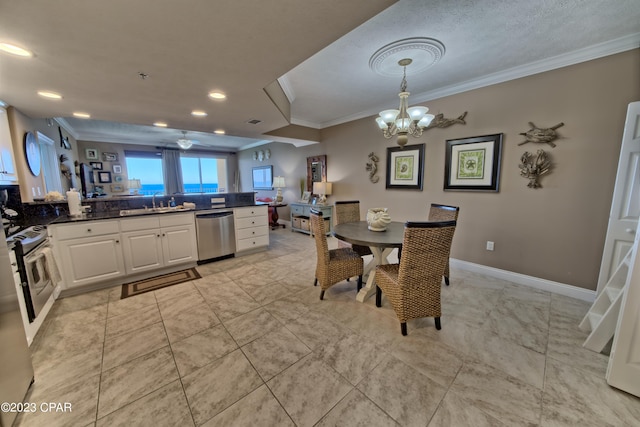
(473, 164)
(405, 167)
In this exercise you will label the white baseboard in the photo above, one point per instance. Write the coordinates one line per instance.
(522, 279)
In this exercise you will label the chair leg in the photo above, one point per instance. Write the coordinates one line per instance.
(378, 296)
(446, 280)
(315, 282)
(359, 286)
(321, 295)
(438, 326)
(403, 328)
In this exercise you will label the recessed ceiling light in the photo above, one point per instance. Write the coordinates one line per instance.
(160, 124)
(80, 115)
(217, 95)
(15, 50)
(219, 131)
(198, 113)
(49, 94)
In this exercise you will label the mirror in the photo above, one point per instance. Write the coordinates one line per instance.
(316, 170)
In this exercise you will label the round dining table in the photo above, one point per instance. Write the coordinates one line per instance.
(381, 244)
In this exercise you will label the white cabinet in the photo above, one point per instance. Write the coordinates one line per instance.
(89, 252)
(8, 174)
(251, 227)
(154, 242)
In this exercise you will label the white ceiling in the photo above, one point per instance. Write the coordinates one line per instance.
(91, 52)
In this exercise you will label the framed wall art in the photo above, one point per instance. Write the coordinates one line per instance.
(473, 164)
(117, 169)
(91, 154)
(110, 157)
(262, 178)
(104, 177)
(116, 188)
(405, 167)
(96, 165)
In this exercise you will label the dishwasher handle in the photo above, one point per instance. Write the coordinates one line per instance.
(218, 214)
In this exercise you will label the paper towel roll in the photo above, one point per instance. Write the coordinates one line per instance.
(73, 200)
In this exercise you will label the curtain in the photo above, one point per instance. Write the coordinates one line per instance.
(172, 172)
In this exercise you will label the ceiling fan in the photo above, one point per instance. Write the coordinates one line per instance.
(184, 142)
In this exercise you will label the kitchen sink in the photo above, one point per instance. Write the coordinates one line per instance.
(149, 211)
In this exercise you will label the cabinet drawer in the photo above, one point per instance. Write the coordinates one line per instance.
(86, 229)
(247, 233)
(256, 242)
(251, 222)
(135, 224)
(298, 210)
(173, 219)
(250, 211)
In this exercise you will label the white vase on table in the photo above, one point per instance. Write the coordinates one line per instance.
(378, 219)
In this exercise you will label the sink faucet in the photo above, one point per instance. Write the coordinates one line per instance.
(153, 200)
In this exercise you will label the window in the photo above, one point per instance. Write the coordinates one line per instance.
(147, 167)
(202, 173)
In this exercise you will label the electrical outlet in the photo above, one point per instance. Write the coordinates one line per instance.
(489, 245)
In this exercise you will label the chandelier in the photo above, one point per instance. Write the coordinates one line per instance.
(183, 142)
(407, 120)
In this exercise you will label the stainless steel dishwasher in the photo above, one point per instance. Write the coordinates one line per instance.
(215, 231)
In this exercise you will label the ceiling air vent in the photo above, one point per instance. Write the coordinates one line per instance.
(254, 121)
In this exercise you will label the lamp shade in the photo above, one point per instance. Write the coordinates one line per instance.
(278, 182)
(322, 188)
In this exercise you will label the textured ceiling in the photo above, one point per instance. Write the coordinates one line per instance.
(92, 52)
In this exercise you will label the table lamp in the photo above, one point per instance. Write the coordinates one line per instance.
(323, 189)
(135, 185)
(278, 182)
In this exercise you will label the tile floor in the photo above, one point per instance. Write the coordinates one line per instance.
(250, 343)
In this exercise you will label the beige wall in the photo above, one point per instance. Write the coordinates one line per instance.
(556, 232)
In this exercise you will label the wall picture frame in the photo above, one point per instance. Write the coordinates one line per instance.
(91, 154)
(104, 177)
(473, 164)
(306, 197)
(96, 165)
(110, 157)
(405, 167)
(117, 169)
(117, 188)
(262, 177)
(117, 178)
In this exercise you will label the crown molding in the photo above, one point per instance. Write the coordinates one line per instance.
(600, 50)
(288, 90)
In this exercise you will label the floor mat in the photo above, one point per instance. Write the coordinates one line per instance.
(158, 282)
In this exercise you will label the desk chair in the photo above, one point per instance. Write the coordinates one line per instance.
(335, 265)
(413, 285)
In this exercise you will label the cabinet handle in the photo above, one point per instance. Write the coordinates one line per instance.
(88, 230)
(117, 241)
(253, 222)
(253, 232)
(163, 234)
(158, 235)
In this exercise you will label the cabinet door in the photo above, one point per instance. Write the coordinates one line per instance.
(8, 173)
(179, 245)
(142, 250)
(91, 260)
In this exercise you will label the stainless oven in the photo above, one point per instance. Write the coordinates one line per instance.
(34, 261)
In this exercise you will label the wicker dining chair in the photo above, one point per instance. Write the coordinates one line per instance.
(335, 265)
(413, 285)
(439, 212)
(349, 211)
